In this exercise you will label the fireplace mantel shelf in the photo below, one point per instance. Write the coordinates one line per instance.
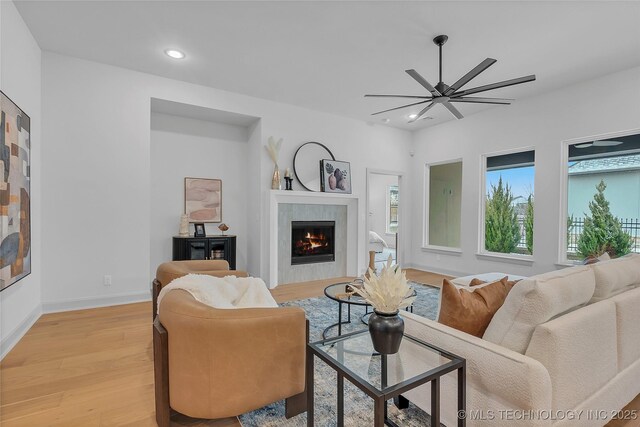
(317, 194)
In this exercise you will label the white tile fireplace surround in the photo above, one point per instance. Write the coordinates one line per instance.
(288, 206)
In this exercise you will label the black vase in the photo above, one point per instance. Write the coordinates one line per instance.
(386, 331)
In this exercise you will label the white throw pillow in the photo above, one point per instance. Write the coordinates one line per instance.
(616, 276)
(534, 301)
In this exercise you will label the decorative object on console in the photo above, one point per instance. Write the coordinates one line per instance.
(305, 164)
(446, 95)
(223, 227)
(15, 193)
(335, 176)
(203, 199)
(184, 225)
(387, 293)
(199, 230)
(273, 148)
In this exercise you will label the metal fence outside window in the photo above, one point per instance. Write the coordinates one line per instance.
(630, 225)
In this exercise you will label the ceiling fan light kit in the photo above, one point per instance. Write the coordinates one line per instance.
(445, 95)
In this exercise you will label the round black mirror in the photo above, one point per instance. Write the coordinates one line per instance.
(306, 164)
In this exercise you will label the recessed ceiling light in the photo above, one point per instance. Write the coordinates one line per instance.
(385, 120)
(175, 54)
(413, 116)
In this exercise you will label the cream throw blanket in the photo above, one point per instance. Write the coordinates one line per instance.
(225, 292)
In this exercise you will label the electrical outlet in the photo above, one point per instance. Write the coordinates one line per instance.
(107, 280)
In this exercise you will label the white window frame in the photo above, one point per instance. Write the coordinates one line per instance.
(523, 259)
(564, 187)
(388, 210)
(425, 209)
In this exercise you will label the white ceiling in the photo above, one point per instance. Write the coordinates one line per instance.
(326, 55)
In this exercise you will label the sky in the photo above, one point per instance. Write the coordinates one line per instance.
(519, 179)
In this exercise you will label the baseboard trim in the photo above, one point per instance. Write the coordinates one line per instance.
(436, 270)
(16, 335)
(95, 302)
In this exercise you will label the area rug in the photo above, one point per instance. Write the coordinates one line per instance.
(358, 407)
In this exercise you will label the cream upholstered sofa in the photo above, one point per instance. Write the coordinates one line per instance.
(563, 350)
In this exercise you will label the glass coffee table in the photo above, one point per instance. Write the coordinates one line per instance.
(340, 292)
(385, 377)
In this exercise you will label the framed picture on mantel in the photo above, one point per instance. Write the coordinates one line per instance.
(203, 199)
(335, 176)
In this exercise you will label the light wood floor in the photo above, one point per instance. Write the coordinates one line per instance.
(94, 367)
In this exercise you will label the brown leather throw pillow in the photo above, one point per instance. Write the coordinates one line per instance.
(475, 282)
(471, 312)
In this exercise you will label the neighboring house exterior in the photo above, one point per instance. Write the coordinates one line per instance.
(622, 176)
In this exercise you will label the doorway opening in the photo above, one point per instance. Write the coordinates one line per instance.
(384, 216)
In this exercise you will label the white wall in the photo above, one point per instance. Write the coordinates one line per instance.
(378, 188)
(97, 193)
(620, 185)
(182, 147)
(542, 122)
(20, 80)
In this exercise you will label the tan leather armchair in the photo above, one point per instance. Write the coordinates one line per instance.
(168, 271)
(217, 363)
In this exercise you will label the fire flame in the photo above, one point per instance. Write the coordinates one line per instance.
(313, 241)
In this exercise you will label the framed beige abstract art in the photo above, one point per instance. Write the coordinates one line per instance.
(203, 199)
(15, 193)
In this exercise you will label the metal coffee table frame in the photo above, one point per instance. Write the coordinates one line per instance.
(349, 301)
(380, 397)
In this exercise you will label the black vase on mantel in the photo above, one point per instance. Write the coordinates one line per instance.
(386, 331)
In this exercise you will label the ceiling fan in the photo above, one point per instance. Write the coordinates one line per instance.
(446, 95)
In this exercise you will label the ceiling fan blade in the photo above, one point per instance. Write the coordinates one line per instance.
(470, 75)
(399, 96)
(421, 113)
(417, 77)
(472, 99)
(397, 108)
(492, 86)
(453, 110)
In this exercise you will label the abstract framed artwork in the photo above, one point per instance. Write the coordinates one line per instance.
(335, 176)
(15, 193)
(203, 199)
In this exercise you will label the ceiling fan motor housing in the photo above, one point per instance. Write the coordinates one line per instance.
(441, 87)
(441, 39)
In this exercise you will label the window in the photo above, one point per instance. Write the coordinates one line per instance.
(444, 204)
(508, 203)
(603, 197)
(392, 209)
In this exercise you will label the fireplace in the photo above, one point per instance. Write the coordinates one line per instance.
(312, 241)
